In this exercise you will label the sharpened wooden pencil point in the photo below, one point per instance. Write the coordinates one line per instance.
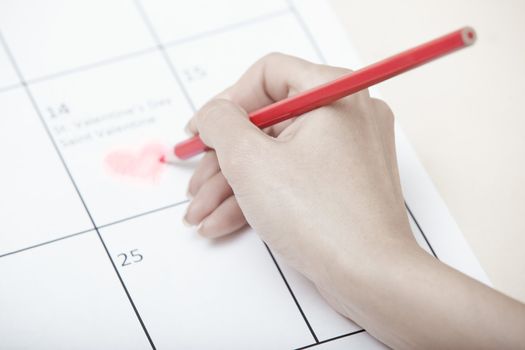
(169, 158)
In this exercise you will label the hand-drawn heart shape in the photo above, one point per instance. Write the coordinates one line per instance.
(143, 164)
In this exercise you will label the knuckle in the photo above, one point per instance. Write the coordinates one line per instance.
(318, 73)
(270, 59)
(357, 104)
(204, 115)
(213, 111)
(273, 56)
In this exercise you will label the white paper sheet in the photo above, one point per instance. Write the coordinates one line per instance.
(92, 250)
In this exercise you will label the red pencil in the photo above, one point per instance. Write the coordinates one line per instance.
(343, 86)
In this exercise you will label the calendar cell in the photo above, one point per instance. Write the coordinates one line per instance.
(38, 202)
(200, 17)
(8, 75)
(209, 65)
(66, 295)
(112, 124)
(229, 290)
(52, 36)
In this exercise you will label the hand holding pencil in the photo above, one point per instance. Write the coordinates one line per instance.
(323, 191)
(273, 91)
(295, 93)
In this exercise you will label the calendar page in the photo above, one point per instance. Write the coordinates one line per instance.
(93, 253)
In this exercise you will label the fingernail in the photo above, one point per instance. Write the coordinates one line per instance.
(199, 227)
(184, 218)
(185, 222)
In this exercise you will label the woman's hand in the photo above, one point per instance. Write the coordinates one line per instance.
(323, 192)
(323, 184)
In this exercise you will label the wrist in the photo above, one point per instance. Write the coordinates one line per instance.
(360, 279)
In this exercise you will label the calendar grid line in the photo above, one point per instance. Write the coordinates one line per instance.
(331, 339)
(421, 231)
(173, 205)
(10, 87)
(93, 65)
(227, 28)
(306, 31)
(68, 172)
(292, 294)
(46, 242)
(169, 206)
(162, 50)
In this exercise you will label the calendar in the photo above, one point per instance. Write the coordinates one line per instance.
(93, 252)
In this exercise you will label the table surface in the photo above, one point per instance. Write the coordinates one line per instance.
(461, 114)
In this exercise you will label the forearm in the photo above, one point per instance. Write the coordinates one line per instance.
(409, 299)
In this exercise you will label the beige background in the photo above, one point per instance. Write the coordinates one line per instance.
(463, 114)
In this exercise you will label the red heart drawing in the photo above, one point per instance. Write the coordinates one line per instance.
(143, 164)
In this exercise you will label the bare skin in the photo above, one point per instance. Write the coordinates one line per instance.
(324, 192)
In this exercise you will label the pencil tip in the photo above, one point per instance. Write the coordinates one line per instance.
(169, 158)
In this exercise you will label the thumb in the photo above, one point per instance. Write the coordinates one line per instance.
(225, 127)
